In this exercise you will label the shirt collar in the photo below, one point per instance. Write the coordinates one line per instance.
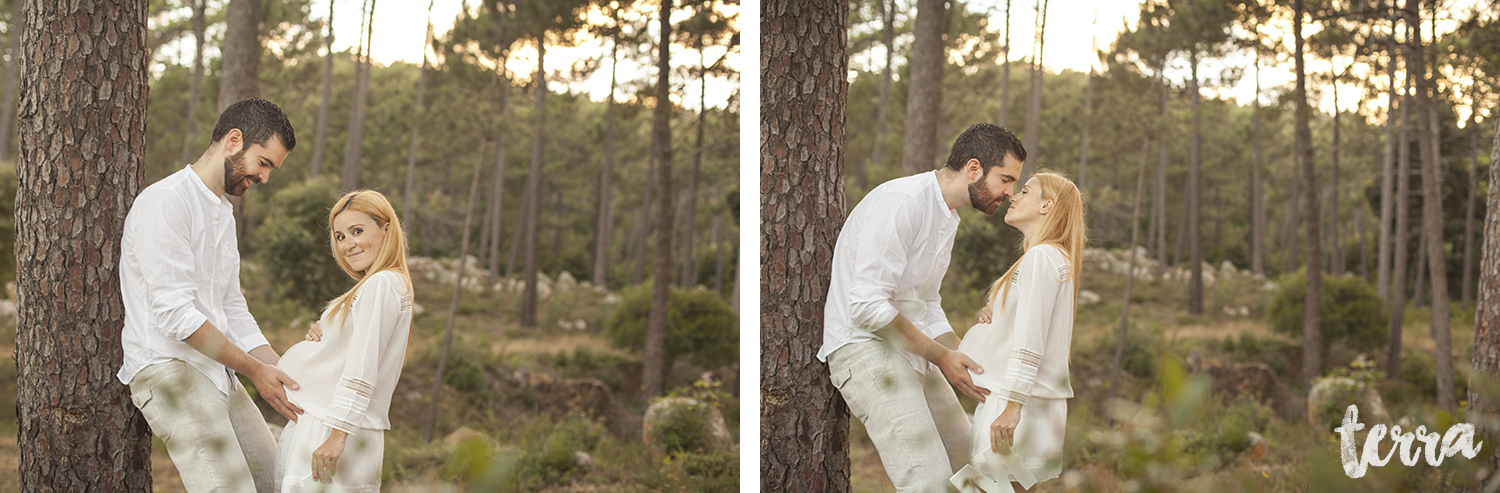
(203, 187)
(937, 195)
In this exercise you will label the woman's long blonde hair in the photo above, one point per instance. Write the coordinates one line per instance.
(1062, 227)
(392, 254)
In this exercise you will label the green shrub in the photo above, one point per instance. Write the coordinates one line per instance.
(700, 326)
(292, 245)
(1352, 314)
(550, 447)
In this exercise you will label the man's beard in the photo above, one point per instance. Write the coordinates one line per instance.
(235, 179)
(981, 198)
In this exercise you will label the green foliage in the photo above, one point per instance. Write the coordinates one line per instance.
(1219, 442)
(1364, 377)
(698, 473)
(293, 245)
(680, 429)
(1352, 312)
(700, 326)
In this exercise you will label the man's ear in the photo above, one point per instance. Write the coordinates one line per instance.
(973, 170)
(233, 142)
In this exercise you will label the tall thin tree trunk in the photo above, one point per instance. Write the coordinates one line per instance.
(653, 359)
(497, 181)
(354, 142)
(1312, 365)
(241, 52)
(1195, 197)
(690, 236)
(604, 224)
(1135, 229)
(520, 234)
(1088, 114)
(1159, 200)
(924, 98)
(882, 112)
(1467, 296)
(642, 228)
(1387, 177)
(719, 253)
(1419, 291)
(1033, 137)
(458, 288)
(190, 139)
(1432, 217)
(416, 122)
(1486, 359)
(76, 428)
(321, 139)
(1397, 300)
(804, 421)
(534, 186)
(1257, 187)
(8, 99)
(1364, 252)
(1336, 266)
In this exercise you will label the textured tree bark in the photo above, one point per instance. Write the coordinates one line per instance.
(661, 283)
(241, 52)
(8, 105)
(1486, 358)
(804, 421)
(354, 142)
(534, 186)
(1432, 219)
(1312, 365)
(195, 90)
(84, 85)
(924, 98)
(321, 139)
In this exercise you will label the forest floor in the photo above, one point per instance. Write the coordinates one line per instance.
(505, 385)
(1169, 438)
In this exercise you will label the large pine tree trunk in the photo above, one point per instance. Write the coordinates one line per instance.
(1195, 197)
(1387, 177)
(82, 137)
(925, 92)
(321, 138)
(1397, 299)
(604, 220)
(241, 52)
(1432, 218)
(804, 421)
(652, 370)
(8, 99)
(1312, 365)
(354, 142)
(534, 186)
(1486, 358)
(190, 139)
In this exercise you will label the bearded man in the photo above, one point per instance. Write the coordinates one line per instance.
(884, 331)
(187, 328)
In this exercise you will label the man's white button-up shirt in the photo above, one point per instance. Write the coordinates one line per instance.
(180, 267)
(890, 258)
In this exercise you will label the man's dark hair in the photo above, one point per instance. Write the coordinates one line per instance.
(258, 120)
(987, 142)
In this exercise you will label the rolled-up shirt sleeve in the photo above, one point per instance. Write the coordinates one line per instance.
(166, 267)
(881, 257)
(242, 330)
(1043, 275)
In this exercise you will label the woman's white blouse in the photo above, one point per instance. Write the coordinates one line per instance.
(347, 378)
(1024, 349)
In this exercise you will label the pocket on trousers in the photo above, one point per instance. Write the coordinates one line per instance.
(841, 377)
(142, 400)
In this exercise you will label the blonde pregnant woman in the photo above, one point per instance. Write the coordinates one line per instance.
(1018, 431)
(349, 368)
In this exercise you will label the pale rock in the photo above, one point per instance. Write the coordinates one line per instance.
(1086, 297)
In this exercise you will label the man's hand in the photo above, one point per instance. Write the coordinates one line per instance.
(268, 382)
(325, 460)
(955, 367)
(1003, 430)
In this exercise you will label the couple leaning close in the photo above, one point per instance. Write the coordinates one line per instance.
(892, 354)
(188, 330)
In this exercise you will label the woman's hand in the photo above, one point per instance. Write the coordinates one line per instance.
(314, 332)
(325, 460)
(1003, 431)
(985, 314)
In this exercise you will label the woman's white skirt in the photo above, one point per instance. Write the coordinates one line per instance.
(358, 467)
(1038, 446)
